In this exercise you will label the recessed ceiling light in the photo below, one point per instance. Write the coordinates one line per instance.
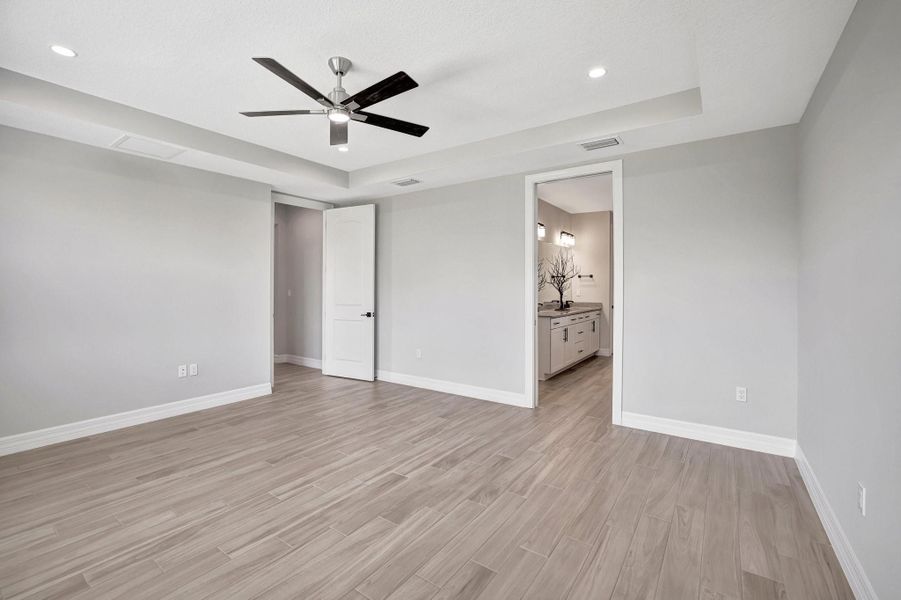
(597, 72)
(343, 148)
(63, 51)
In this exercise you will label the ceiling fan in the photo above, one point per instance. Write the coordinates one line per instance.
(339, 106)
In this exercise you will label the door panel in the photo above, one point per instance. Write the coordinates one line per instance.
(348, 322)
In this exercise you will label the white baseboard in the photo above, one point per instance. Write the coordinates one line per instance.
(300, 361)
(458, 389)
(710, 433)
(854, 573)
(605, 352)
(70, 431)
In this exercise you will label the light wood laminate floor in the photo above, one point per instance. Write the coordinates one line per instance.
(345, 490)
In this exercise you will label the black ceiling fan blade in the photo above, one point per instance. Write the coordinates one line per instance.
(390, 123)
(337, 133)
(398, 83)
(278, 69)
(276, 113)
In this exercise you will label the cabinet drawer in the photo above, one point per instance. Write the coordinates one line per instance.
(579, 331)
(576, 350)
(567, 320)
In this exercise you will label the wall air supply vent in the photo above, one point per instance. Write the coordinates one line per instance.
(601, 143)
(406, 182)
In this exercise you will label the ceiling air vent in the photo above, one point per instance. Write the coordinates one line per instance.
(145, 147)
(406, 182)
(602, 143)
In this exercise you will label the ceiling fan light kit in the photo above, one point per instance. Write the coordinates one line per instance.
(341, 107)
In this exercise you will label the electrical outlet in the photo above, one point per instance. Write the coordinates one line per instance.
(182, 370)
(192, 369)
(861, 499)
(419, 353)
(741, 394)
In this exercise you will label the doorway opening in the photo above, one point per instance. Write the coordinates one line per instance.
(574, 286)
(297, 282)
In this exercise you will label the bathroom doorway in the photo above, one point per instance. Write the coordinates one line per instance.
(574, 323)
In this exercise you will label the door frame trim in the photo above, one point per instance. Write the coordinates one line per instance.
(615, 168)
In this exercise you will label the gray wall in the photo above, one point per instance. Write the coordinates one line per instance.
(449, 273)
(849, 417)
(115, 269)
(593, 256)
(298, 281)
(555, 220)
(711, 282)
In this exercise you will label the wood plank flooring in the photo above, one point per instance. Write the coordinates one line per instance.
(342, 490)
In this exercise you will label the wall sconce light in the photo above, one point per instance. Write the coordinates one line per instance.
(567, 239)
(541, 231)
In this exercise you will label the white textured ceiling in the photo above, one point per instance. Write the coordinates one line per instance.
(486, 68)
(580, 194)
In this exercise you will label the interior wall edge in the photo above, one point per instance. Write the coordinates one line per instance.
(735, 438)
(29, 440)
(458, 389)
(300, 361)
(847, 558)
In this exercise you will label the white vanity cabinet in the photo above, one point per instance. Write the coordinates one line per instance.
(565, 339)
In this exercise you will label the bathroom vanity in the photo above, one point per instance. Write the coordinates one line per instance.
(567, 337)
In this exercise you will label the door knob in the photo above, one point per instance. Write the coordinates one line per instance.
(369, 314)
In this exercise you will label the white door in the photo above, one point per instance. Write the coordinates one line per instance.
(348, 292)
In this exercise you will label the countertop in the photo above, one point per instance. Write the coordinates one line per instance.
(572, 310)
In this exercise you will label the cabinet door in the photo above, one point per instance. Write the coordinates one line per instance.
(559, 342)
(594, 336)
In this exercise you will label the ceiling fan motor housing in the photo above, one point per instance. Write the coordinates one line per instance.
(340, 67)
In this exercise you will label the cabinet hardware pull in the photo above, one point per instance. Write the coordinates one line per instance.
(581, 332)
(566, 334)
(594, 326)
